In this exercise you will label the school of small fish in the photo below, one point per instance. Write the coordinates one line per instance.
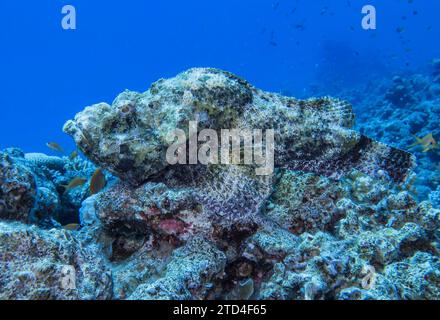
(97, 182)
(300, 24)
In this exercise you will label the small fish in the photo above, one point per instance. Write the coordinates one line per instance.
(276, 5)
(73, 155)
(72, 227)
(75, 183)
(272, 41)
(427, 142)
(300, 26)
(55, 146)
(400, 29)
(98, 182)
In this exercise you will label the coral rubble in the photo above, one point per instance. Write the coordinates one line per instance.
(32, 263)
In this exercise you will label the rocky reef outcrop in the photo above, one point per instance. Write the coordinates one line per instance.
(40, 265)
(335, 219)
(33, 187)
(187, 273)
(17, 190)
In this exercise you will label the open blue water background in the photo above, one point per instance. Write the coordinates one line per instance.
(48, 74)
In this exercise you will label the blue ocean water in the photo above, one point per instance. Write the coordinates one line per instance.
(47, 74)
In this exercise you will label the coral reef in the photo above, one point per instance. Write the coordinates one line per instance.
(33, 186)
(396, 110)
(34, 264)
(17, 190)
(336, 219)
(188, 274)
(305, 202)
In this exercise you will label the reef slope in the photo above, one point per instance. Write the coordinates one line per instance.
(334, 220)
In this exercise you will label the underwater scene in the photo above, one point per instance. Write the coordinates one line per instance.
(220, 150)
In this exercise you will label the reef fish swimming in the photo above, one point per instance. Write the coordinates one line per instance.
(74, 183)
(55, 147)
(73, 155)
(72, 227)
(427, 142)
(98, 182)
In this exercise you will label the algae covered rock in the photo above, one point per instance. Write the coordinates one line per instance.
(188, 274)
(17, 190)
(33, 187)
(124, 209)
(305, 202)
(416, 278)
(42, 265)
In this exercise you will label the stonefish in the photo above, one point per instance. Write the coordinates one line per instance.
(129, 138)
